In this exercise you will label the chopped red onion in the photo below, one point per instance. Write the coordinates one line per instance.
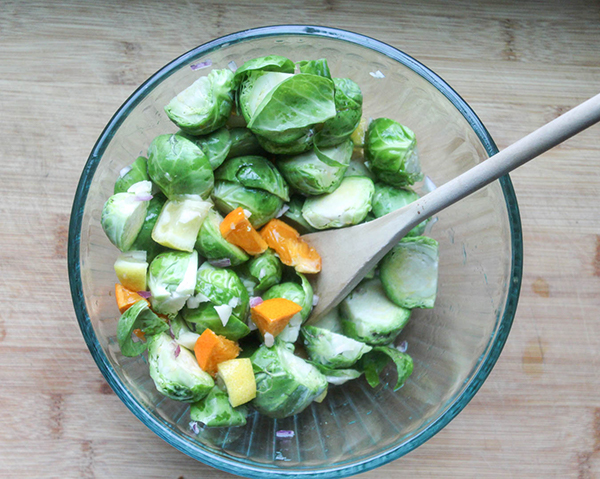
(232, 66)
(402, 347)
(220, 263)
(315, 300)
(143, 197)
(177, 351)
(194, 427)
(255, 301)
(282, 211)
(171, 333)
(204, 64)
(284, 433)
(145, 294)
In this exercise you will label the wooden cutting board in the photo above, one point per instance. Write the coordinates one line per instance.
(65, 67)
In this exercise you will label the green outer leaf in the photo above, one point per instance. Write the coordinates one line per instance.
(294, 214)
(294, 147)
(137, 173)
(348, 106)
(144, 241)
(220, 286)
(332, 349)
(179, 167)
(206, 317)
(315, 67)
(138, 316)
(215, 145)
(211, 244)
(267, 270)
(215, 410)
(375, 361)
(254, 172)
(227, 196)
(243, 143)
(308, 99)
(269, 63)
(337, 377)
(307, 303)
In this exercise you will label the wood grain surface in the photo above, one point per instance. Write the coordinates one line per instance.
(65, 67)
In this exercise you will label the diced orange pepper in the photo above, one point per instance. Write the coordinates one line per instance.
(211, 349)
(126, 298)
(236, 229)
(292, 250)
(273, 315)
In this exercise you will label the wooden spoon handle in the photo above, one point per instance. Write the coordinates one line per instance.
(527, 148)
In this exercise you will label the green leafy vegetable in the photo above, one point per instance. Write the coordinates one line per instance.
(211, 244)
(132, 174)
(215, 410)
(171, 279)
(374, 362)
(332, 349)
(139, 316)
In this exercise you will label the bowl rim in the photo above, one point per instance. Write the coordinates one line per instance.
(488, 358)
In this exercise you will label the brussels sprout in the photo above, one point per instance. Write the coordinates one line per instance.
(144, 241)
(295, 147)
(262, 205)
(179, 222)
(409, 272)
(139, 316)
(243, 143)
(215, 145)
(171, 279)
(330, 321)
(269, 63)
(369, 316)
(205, 316)
(266, 269)
(315, 67)
(131, 175)
(204, 106)
(223, 287)
(131, 268)
(211, 244)
(307, 174)
(175, 371)
(390, 149)
(388, 198)
(299, 294)
(285, 383)
(124, 213)
(183, 335)
(374, 362)
(347, 205)
(179, 167)
(331, 349)
(357, 168)
(294, 215)
(254, 172)
(348, 105)
(216, 411)
(282, 107)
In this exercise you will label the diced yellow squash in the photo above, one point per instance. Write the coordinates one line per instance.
(238, 377)
(179, 221)
(358, 135)
(131, 268)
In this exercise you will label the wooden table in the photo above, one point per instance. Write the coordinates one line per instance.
(65, 67)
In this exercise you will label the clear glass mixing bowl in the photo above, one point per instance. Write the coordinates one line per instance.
(454, 345)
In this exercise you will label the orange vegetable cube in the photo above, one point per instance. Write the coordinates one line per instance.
(292, 250)
(236, 229)
(211, 349)
(126, 298)
(273, 315)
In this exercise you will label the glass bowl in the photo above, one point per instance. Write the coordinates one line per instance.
(454, 346)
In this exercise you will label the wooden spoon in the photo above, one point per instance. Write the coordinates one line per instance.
(350, 253)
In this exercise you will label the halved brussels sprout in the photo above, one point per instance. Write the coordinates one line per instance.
(285, 383)
(388, 198)
(390, 149)
(347, 205)
(332, 349)
(357, 167)
(144, 241)
(205, 316)
(294, 215)
(243, 143)
(269, 63)
(409, 272)
(123, 215)
(131, 268)
(301, 294)
(171, 279)
(179, 222)
(223, 287)
(307, 174)
(130, 175)
(348, 105)
(295, 147)
(204, 106)
(370, 317)
(215, 145)
(330, 321)
(179, 167)
(139, 316)
(175, 371)
(318, 67)
(183, 335)
(266, 269)
(215, 410)
(211, 244)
